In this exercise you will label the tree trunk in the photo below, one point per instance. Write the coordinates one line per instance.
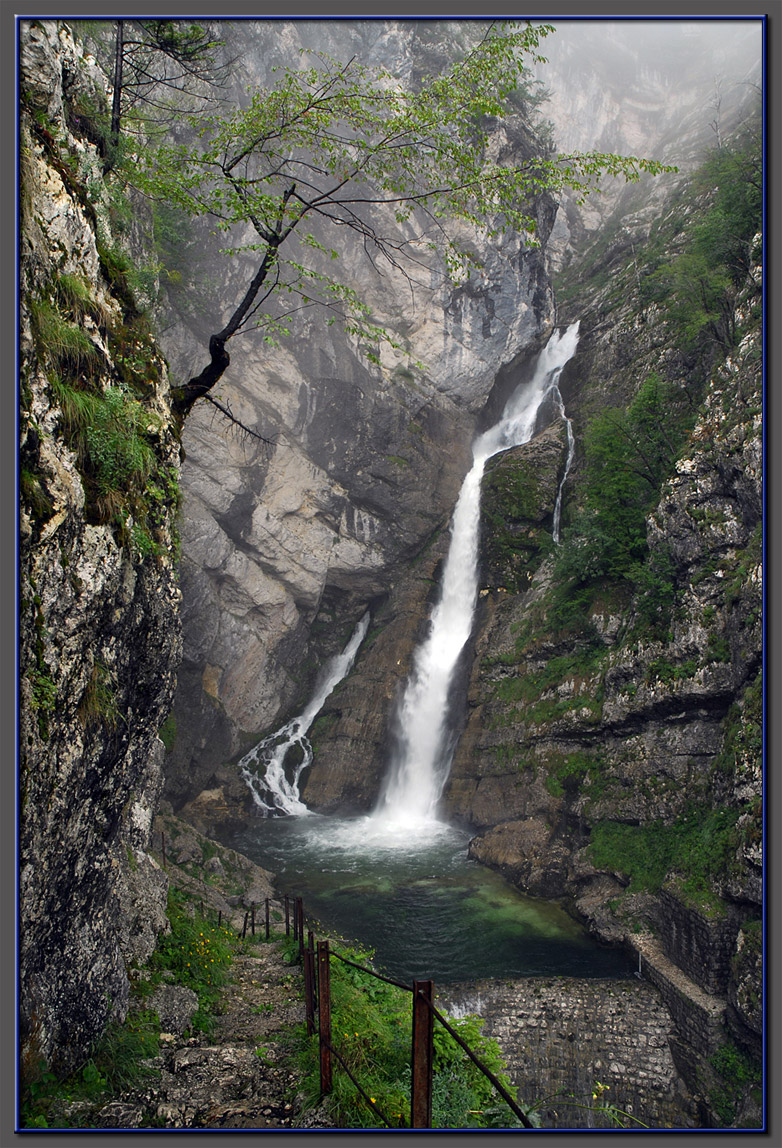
(199, 385)
(116, 103)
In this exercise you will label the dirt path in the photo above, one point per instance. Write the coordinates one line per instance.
(243, 1075)
(240, 1077)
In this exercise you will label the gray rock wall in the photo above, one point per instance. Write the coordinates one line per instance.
(99, 600)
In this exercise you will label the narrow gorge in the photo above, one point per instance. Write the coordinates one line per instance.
(451, 616)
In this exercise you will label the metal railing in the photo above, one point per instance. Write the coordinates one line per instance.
(316, 964)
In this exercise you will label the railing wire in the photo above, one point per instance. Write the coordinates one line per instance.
(372, 1104)
(486, 1072)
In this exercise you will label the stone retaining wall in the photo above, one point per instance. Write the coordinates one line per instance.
(698, 1016)
(561, 1036)
(702, 947)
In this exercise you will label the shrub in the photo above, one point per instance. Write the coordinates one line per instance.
(699, 847)
(198, 953)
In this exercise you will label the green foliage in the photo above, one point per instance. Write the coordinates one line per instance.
(120, 1060)
(696, 288)
(718, 649)
(75, 299)
(110, 435)
(167, 732)
(44, 699)
(65, 346)
(743, 731)
(116, 439)
(738, 1073)
(699, 847)
(566, 773)
(330, 139)
(371, 1028)
(628, 455)
(198, 953)
(98, 705)
(583, 661)
(661, 670)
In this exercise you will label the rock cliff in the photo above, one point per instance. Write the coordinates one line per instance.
(610, 748)
(284, 548)
(98, 592)
(611, 752)
(612, 755)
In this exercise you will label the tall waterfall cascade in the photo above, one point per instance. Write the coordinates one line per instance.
(273, 780)
(425, 748)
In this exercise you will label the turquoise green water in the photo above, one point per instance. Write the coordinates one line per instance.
(425, 910)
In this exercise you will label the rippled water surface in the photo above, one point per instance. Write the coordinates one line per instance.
(416, 900)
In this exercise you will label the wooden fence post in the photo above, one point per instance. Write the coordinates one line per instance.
(324, 1016)
(267, 919)
(287, 915)
(422, 1055)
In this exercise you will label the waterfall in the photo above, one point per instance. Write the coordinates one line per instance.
(571, 450)
(421, 764)
(263, 768)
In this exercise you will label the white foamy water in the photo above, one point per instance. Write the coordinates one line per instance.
(275, 787)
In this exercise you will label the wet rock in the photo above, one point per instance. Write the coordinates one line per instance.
(526, 853)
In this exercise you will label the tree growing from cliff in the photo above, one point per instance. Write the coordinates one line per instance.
(338, 154)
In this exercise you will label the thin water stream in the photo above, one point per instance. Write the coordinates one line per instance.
(399, 880)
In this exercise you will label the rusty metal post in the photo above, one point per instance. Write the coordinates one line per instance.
(267, 919)
(324, 1016)
(309, 987)
(311, 947)
(422, 1055)
(287, 915)
(244, 926)
(300, 924)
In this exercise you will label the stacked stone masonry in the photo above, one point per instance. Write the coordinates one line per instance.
(563, 1037)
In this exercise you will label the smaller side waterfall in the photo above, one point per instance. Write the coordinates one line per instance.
(571, 450)
(274, 787)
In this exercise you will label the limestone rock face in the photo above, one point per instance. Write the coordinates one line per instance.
(98, 614)
(519, 495)
(641, 730)
(285, 546)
